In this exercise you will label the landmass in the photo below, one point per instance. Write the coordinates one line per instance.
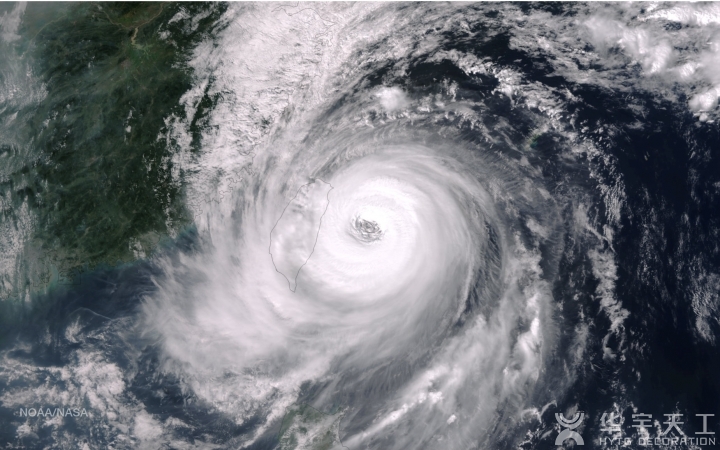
(306, 428)
(293, 238)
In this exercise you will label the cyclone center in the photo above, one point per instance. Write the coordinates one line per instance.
(367, 230)
(370, 222)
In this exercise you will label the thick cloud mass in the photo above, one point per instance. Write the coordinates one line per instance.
(405, 280)
(386, 261)
(403, 283)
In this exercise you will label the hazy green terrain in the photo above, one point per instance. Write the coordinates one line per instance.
(88, 162)
(306, 428)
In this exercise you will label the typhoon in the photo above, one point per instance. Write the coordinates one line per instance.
(360, 225)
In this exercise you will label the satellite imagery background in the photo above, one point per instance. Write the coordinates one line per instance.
(359, 225)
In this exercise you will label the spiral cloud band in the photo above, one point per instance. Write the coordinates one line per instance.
(392, 274)
(386, 260)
